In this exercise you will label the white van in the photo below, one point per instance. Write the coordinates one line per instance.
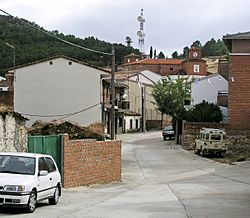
(211, 141)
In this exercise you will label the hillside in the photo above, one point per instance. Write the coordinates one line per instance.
(31, 45)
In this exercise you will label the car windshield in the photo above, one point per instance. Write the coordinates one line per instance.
(17, 164)
(168, 128)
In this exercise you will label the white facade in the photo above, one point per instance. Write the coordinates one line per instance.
(132, 123)
(207, 89)
(58, 88)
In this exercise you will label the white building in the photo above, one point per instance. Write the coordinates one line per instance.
(58, 88)
(207, 89)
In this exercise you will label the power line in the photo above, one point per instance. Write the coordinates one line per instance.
(61, 115)
(56, 37)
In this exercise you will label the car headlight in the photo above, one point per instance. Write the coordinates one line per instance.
(14, 188)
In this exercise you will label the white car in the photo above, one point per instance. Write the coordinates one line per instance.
(27, 178)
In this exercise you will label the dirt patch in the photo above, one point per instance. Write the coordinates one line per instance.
(236, 155)
(74, 131)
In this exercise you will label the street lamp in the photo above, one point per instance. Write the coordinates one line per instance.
(13, 50)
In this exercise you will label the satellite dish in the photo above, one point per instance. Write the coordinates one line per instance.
(128, 38)
(141, 19)
(140, 33)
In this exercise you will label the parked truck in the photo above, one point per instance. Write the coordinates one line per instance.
(211, 141)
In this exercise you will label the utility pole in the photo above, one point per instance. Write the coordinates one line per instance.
(113, 94)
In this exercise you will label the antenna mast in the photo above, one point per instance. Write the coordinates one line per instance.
(140, 32)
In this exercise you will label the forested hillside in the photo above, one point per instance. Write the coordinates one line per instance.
(31, 45)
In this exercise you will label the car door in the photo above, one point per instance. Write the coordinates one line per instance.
(54, 174)
(44, 181)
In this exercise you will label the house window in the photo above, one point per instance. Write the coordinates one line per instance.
(137, 124)
(51, 63)
(171, 68)
(131, 124)
(120, 122)
(70, 62)
(196, 68)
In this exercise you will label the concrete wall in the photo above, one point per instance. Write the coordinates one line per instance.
(58, 86)
(13, 134)
(91, 162)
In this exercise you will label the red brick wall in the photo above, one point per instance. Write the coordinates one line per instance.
(188, 67)
(239, 91)
(91, 162)
(163, 70)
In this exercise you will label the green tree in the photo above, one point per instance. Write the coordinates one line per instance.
(197, 44)
(155, 56)
(151, 52)
(205, 112)
(161, 55)
(175, 54)
(170, 95)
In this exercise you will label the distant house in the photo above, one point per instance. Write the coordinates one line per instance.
(193, 65)
(141, 102)
(208, 89)
(59, 88)
(162, 67)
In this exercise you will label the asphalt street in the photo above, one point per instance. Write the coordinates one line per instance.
(159, 180)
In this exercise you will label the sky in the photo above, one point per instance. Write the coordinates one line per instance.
(169, 26)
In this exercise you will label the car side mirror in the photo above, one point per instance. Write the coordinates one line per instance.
(43, 173)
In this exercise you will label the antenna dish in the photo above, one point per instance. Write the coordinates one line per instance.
(141, 19)
(140, 33)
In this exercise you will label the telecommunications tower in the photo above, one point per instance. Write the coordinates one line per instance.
(140, 32)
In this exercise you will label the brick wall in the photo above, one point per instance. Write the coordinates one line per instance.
(91, 162)
(239, 91)
(237, 138)
(188, 67)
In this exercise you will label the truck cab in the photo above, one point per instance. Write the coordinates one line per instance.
(211, 141)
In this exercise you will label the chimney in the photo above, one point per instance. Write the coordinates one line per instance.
(10, 80)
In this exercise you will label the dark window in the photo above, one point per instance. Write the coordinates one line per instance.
(70, 62)
(131, 124)
(120, 122)
(51, 63)
(171, 68)
(50, 164)
(137, 124)
(42, 165)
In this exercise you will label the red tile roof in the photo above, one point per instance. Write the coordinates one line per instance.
(156, 62)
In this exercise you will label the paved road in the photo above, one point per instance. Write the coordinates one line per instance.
(159, 180)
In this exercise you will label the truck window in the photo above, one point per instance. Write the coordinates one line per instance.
(216, 137)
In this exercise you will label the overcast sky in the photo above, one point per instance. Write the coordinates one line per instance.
(170, 24)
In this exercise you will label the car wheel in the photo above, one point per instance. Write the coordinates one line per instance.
(32, 202)
(55, 198)
(164, 138)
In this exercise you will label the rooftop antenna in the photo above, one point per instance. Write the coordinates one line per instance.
(140, 32)
(128, 41)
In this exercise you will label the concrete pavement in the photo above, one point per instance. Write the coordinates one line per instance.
(159, 180)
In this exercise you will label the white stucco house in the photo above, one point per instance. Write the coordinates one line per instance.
(207, 88)
(59, 88)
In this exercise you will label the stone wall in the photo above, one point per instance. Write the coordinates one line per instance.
(13, 134)
(91, 162)
(237, 138)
